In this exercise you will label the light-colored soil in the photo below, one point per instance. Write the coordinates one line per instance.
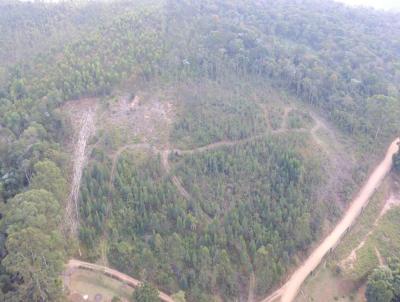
(146, 118)
(252, 283)
(391, 202)
(379, 256)
(82, 117)
(74, 266)
(290, 289)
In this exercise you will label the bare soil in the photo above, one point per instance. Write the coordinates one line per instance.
(74, 266)
(81, 114)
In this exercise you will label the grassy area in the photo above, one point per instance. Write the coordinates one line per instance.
(299, 119)
(387, 235)
(363, 225)
(326, 285)
(91, 283)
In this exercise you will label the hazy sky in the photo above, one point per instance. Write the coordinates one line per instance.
(381, 4)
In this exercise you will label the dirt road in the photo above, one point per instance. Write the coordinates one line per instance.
(289, 290)
(75, 264)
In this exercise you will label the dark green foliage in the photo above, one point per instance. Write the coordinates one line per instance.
(93, 200)
(302, 48)
(384, 283)
(259, 193)
(338, 62)
(34, 248)
(213, 112)
(145, 293)
(246, 202)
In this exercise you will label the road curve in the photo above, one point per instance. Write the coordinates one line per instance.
(288, 291)
(73, 263)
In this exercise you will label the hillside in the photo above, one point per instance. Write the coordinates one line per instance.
(201, 147)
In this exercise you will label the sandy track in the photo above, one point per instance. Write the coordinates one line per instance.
(72, 208)
(75, 264)
(289, 290)
(252, 285)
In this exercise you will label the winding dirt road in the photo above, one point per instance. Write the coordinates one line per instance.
(77, 264)
(225, 143)
(289, 290)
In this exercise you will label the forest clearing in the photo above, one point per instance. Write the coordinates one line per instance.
(222, 150)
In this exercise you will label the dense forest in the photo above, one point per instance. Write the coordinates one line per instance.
(211, 243)
(249, 209)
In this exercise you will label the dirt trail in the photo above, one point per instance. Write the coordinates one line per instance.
(118, 154)
(290, 289)
(175, 180)
(72, 208)
(224, 143)
(391, 202)
(285, 119)
(74, 264)
(340, 162)
(318, 125)
(252, 285)
(179, 186)
(379, 256)
(109, 198)
(126, 102)
(227, 143)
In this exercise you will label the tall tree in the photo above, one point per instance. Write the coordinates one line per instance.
(145, 293)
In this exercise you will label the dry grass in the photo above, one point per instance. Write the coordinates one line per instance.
(84, 282)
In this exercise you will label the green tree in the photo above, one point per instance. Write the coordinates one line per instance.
(35, 258)
(49, 177)
(179, 296)
(145, 293)
(34, 208)
(379, 287)
(34, 247)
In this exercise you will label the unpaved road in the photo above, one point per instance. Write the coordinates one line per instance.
(76, 264)
(288, 291)
(72, 208)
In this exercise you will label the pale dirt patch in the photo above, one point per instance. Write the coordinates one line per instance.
(391, 202)
(379, 256)
(81, 116)
(104, 279)
(349, 261)
(145, 118)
